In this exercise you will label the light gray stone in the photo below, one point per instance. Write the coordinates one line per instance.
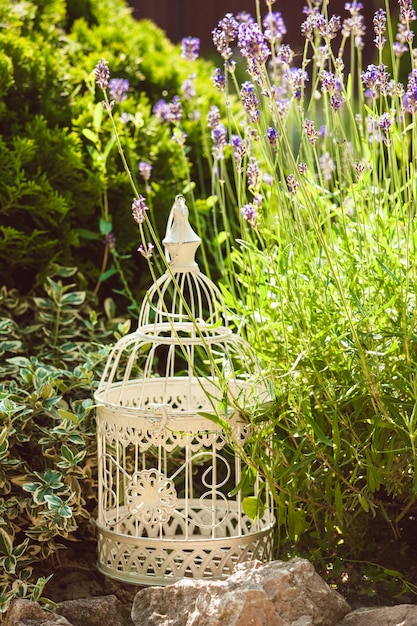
(256, 594)
(399, 615)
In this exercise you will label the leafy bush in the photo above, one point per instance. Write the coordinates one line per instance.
(63, 190)
(52, 349)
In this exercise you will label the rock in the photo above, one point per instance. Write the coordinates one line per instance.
(245, 607)
(94, 612)
(27, 613)
(400, 615)
(256, 594)
(177, 605)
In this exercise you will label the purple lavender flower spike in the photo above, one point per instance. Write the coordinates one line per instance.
(286, 54)
(292, 184)
(188, 89)
(297, 78)
(145, 170)
(238, 147)
(249, 213)
(218, 136)
(334, 26)
(139, 209)
(110, 242)
(375, 79)
(118, 88)
(213, 117)
(410, 96)
(380, 26)
(224, 34)
(190, 47)
(175, 110)
(252, 43)
(354, 25)
(219, 79)
(146, 252)
(407, 13)
(253, 174)
(272, 135)
(102, 74)
(161, 110)
(250, 100)
(274, 27)
(311, 132)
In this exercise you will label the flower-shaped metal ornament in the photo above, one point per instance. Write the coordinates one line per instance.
(151, 497)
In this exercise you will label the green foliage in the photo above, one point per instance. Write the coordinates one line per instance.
(60, 170)
(322, 283)
(47, 438)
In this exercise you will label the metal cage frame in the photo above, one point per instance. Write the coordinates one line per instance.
(168, 403)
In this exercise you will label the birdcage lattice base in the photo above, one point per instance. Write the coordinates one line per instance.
(159, 558)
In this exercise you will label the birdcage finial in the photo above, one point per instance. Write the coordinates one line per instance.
(180, 242)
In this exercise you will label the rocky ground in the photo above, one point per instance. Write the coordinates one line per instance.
(362, 584)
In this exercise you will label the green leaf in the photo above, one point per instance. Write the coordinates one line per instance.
(363, 502)
(53, 500)
(9, 564)
(21, 548)
(388, 271)
(97, 117)
(80, 456)
(43, 303)
(75, 298)
(87, 234)
(109, 146)
(67, 415)
(105, 226)
(106, 275)
(320, 434)
(338, 501)
(64, 272)
(52, 478)
(10, 346)
(221, 238)
(90, 135)
(66, 453)
(109, 308)
(216, 419)
(56, 505)
(253, 507)
(31, 487)
(6, 542)
(20, 361)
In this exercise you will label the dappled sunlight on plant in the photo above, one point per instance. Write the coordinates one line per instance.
(312, 230)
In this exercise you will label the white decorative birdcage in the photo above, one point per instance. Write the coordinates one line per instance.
(168, 406)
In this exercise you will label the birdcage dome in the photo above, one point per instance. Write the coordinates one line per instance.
(183, 358)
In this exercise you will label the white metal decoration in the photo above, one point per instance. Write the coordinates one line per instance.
(170, 505)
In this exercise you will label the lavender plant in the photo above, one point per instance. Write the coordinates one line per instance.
(311, 218)
(322, 278)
